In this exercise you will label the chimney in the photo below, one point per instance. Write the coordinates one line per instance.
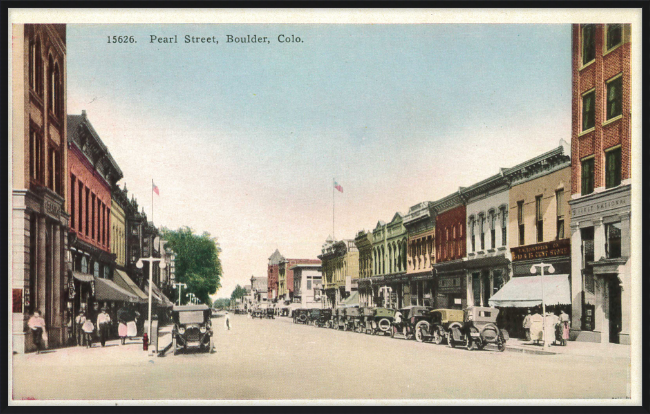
(83, 113)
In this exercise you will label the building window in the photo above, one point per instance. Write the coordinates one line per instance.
(53, 170)
(587, 176)
(35, 156)
(613, 168)
(54, 87)
(73, 193)
(614, 35)
(471, 229)
(36, 67)
(481, 229)
(84, 265)
(520, 221)
(504, 227)
(96, 269)
(588, 110)
(588, 43)
(80, 202)
(559, 198)
(92, 217)
(613, 247)
(87, 203)
(493, 230)
(615, 97)
(308, 284)
(539, 219)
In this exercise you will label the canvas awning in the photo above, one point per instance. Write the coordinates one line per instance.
(124, 281)
(159, 298)
(526, 292)
(351, 301)
(82, 277)
(106, 289)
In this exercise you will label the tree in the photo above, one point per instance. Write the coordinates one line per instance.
(238, 293)
(197, 261)
(222, 303)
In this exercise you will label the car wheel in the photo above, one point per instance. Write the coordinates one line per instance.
(469, 344)
(450, 340)
(437, 337)
(384, 325)
(421, 330)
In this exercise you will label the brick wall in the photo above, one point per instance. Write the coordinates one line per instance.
(451, 245)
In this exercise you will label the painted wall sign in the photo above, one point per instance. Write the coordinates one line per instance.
(542, 250)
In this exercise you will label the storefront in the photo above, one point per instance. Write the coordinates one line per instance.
(451, 285)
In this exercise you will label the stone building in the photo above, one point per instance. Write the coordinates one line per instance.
(420, 224)
(601, 182)
(340, 263)
(39, 226)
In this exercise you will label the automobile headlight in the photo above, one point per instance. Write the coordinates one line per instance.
(203, 329)
(181, 330)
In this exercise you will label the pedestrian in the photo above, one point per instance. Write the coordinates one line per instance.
(103, 325)
(565, 324)
(528, 322)
(122, 330)
(397, 321)
(36, 324)
(227, 321)
(88, 329)
(79, 333)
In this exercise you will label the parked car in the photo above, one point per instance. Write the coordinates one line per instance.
(411, 316)
(367, 317)
(338, 318)
(257, 312)
(324, 318)
(478, 329)
(270, 312)
(436, 327)
(352, 319)
(314, 315)
(192, 328)
(300, 315)
(381, 320)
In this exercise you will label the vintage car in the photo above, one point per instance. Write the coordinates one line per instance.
(258, 312)
(352, 319)
(270, 312)
(381, 320)
(436, 326)
(300, 315)
(338, 318)
(192, 328)
(314, 315)
(367, 317)
(478, 329)
(411, 316)
(324, 318)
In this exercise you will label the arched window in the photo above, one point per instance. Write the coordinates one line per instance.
(36, 66)
(54, 92)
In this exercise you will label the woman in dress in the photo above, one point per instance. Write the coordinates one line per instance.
(88, 328)
(122, 331)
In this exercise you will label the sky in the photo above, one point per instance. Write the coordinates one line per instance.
(244, 140)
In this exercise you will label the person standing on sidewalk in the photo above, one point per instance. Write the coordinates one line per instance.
(103, 325)
(528, 322)
(36, 324)
(88, 329)
(79, 323)
(565, 324)
(122, 331)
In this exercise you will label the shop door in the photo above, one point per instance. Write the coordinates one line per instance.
(486, 288)
(614, 309)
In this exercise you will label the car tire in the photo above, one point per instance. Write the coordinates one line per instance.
(437, 337)
(450, 340)
(421, 329)
(384, 325)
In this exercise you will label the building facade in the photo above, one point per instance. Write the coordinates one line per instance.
(363, 241)
(601, 182)
(273, 273)
(259, 289)
(285, 276)
(451, 276)
(340, 262)
(39, 184)
(420, 224)
(307, 285)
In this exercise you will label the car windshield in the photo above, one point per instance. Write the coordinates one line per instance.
(190, 317)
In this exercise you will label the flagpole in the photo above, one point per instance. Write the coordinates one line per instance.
(333, 208)
(152, 201)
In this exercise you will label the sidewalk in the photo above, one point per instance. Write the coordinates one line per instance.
(572, 348)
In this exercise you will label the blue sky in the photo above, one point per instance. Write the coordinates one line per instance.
(244, 140)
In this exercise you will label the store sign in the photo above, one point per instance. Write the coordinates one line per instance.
(52, 209)
(542, 250)
(601, 206)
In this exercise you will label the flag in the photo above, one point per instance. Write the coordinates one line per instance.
(338, 187)
(155, 188)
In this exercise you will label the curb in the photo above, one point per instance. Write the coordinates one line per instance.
(529, 351)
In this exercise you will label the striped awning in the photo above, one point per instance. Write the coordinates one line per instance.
(526, 292)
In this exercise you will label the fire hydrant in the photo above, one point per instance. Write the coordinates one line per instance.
(145, 342)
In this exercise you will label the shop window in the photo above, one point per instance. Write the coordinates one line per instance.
(476, 288)
(588, 110)
(615, 97)
(559, 199)
(588, 43)
(613, 168)
(614, 35)
(539, 219)
(587, 176)
(96, 269)
(613, 234)
(497, 281)
(520, 221)
(84, 264)
(107, 272)
(308, 284)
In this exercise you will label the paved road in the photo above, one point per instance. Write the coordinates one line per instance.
(275, 359)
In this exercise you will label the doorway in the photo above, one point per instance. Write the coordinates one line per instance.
(614, 309)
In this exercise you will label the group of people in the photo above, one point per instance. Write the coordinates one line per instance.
(85, 331)
(562, 327)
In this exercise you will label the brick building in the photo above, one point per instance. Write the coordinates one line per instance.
(601, 182)
(39, 157)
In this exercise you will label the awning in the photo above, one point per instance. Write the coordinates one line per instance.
(490, 261)
(526, 292)
(106, 289)
(158, 297)
(82, 277)
(351, 301)
(124, 281)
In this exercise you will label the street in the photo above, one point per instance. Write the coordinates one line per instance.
(275, 359)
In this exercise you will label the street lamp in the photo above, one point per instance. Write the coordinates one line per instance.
(533, 270)
(180, 289)
(139, 265)
(386, 290)
(192, 296)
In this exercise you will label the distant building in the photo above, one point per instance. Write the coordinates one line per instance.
(307, 284)
(420, 224)
(340, 262)
(273, 273)
(601, 182)
(259, 290)
(285, 276)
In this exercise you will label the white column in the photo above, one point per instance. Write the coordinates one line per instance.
(599, 239)
(57, 287)
(576, 280)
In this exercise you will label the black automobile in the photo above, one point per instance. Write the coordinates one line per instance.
(478, 329)
(192, 328)
(324, 318)
(411, 315)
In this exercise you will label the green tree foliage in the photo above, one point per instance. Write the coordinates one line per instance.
(223, 303)
(239, 292)
(197, 262)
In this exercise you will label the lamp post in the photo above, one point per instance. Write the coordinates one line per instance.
(139, 265)
(191, 295)
(180, 289)
(533, 270)
(386, 291)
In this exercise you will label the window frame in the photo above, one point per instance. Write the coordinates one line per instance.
(559, 211)
(608, 240)
(618, 171)
(589, 190)
(582, 44)
(616, 78)
(607, 27)
(583, 129)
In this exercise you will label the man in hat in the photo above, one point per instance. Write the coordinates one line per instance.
(79, 323)
(528, 322)
(103, 325)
